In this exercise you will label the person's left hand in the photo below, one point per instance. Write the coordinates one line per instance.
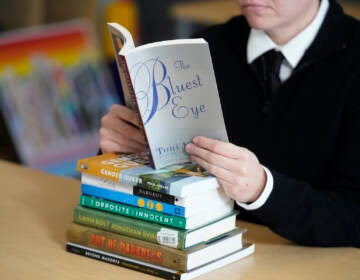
(237, 169)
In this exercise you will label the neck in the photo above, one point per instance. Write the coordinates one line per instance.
(284, 33)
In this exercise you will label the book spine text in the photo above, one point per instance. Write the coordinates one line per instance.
(136, 228)
(134, 200)
(126, 246)
(131, 211)
(154, 195)
(121, 261)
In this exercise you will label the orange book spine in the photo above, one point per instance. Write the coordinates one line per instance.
(107, 166)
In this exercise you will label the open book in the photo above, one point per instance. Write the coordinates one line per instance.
(171, 86)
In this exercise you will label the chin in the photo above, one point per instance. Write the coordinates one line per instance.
(258, 23)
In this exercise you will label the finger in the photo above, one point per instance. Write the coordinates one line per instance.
(120, 127)
(234, 165)
(235, 186)
(216, 170)
(124, 113)
(225, 149)
(107, 136)
(110, 147)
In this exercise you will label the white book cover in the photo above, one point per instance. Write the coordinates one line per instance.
(176, 93)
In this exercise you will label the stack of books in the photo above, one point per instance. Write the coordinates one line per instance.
(174, 222)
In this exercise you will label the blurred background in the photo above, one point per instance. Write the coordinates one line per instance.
(58, 75)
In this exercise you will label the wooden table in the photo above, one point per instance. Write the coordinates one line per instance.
(207, 12)
(36, 207)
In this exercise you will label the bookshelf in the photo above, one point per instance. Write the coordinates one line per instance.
(37, 17)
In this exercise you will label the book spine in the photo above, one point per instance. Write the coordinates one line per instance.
(134, 200)
(98, 169)
(118, 175)
(126, 246)
(115, 169)
(131, 211)
(101, 182)
(154, 195)
(134, 105)
(122, 262)
(136, 228)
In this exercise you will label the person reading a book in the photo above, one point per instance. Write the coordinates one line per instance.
(288, 77)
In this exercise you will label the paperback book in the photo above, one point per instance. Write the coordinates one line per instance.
(203, 200)
(151, 204)
(178, 180)
(153, 232)
(134, 200)
(158, 217)
(182, 260)
(171, 86)
(156, 270)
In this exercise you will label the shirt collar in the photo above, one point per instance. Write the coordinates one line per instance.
(259, 42)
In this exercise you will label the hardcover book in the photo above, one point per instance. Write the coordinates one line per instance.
(171, 86)
(156, 270)
(182, 260)
(178, 180)
(191, 222)
(153, 232)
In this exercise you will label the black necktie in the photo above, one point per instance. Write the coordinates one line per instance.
(272, 63)
(272, 60)
(269, 66)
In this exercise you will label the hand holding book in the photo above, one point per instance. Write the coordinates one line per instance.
(171, 87)
(120, 131)
(236, 168)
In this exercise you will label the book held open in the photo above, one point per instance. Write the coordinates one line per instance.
(171, 86)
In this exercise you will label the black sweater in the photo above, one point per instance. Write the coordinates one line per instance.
(311, 139)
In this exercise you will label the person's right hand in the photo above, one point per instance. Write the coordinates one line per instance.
(120, 131)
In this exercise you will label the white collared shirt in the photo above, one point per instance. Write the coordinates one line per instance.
(259, 43)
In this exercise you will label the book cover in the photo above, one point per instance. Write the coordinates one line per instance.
(171, 86)
(157, 217)
(134, 200)
(182, 260)
(153, 232)
(177, 180)
(156, 270)
(112, 194)
(203, 200)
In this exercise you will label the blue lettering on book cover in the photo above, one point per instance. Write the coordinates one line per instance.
(156, 89)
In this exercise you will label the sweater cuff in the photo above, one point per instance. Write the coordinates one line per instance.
(264, 195)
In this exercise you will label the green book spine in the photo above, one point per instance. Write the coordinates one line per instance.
(135, 212)
(126, 246)
(136, 228)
